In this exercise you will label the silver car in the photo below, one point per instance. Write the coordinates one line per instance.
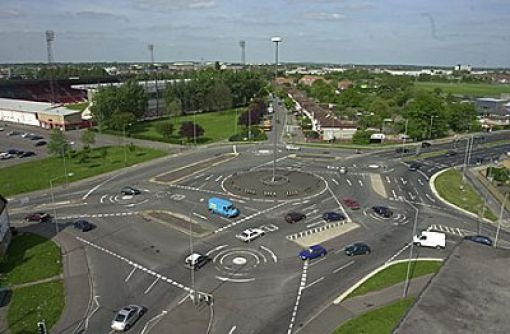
(126, 317)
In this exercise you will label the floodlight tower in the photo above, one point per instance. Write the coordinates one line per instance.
(50, 37)
(276, 41)
(154, 69)
(242, 44)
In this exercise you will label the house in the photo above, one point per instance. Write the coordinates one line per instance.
(308, 80)
(284, 81)
(344, 84)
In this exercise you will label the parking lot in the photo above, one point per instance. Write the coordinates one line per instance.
(11, 139)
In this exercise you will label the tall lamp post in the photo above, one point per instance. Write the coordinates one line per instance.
(276, 41)
(404, 139)
(430, 128)
(406, 284)
(193, 293)
(53, 198)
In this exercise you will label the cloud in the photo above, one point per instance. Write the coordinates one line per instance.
(175, 4)
(201, 4)
(100, 16)
(9, 13)
(324, 16)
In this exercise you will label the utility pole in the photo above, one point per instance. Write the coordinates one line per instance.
(276, 41)
(408, 273)
(50, 38)
(500, 219)
(242, 44)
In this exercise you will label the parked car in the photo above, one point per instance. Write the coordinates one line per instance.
(383, 211)
(126, 317)
(351, 203)
(40, 143)
(481, 239)
(13, 133)
(294, 217)
(14, 151)
(332, 216)
(425, 144)
(312, 252)
(39, 217)
(413, 167)
(36, 137)
(5, 155)
(196, 261)
(83, 225)
(250, 234)
(358, 248)
(27, 135)
(26, 154)
(290, 147)
(130, 191)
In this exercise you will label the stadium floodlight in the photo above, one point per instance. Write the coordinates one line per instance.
(276, 39)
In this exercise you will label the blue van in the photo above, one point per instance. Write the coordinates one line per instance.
(223, 207)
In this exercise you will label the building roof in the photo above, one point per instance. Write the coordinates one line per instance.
(34, 107)
(469, 294)
(490, 99)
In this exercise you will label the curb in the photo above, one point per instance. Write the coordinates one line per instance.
(434, 191)
(344, 295)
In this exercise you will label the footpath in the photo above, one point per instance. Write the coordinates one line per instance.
(336, 314)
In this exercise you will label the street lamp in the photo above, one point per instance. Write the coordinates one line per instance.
(276, 41)
(406, 284)
(53, 198)
(404, 139)
(125, 146)
(194, 128)
(193, 293)
(430, 128)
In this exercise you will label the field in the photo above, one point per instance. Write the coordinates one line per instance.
(217, 126)
(465, 89)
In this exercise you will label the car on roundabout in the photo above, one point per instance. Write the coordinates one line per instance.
(358, 248)
(130, 191)
(196, 261)
(294, 217)
(382, 211)
(250, 234)
(312, 252)
(351, 203)
(291, 147)
(83, 225)
(126, 317)
(39, 217)
(480, 239)
(332, 216)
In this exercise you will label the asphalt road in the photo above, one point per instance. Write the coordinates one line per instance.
(257, 287)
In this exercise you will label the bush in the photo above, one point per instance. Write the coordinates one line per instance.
(311, 134)
(362, 137)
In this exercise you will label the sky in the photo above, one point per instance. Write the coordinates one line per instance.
(413, 32)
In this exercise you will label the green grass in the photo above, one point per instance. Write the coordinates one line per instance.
(476, 90)
(379, 321)
(426, 155)
(217, 126)
(35, 303)
(30, 258)
(78, 106)
(36, 174)
(449, 184)
(396, 274)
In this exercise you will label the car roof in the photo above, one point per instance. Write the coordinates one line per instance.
(316, 247)
(193, 257)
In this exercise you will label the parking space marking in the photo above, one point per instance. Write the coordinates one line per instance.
(298, 298)
(232, 330)
(335, 181)
(349, 182)
(130, 274)
(360, 182)
(151, 286)
(344, 266)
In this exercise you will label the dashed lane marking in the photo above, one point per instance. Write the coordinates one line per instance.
(314, 282)
(240, 221)
(398, 253)
(349, 182)
(360, 183)
(298, 298)
(335, 181)
(100, 215)
(430, 198)
(344, 266)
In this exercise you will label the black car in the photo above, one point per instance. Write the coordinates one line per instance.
(425, 144)
(14, 151)
(40, 143)
(293, 217)
(83, 225)
(26, 154)
(130, 191)
(36, 137)
(481, 239)
(402, 150)
(332, 216)
(414, 167)
(358, 248)
(383, 211)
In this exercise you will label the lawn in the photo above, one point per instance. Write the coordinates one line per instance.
(396, 274)
(466, 89)
(30, 258)
(217, 126)
(35, 303)
(379, 321)
(36, 174)
(449, 185)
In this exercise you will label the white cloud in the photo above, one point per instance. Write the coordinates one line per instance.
(324, 16)
(9, 13)
(202, 4)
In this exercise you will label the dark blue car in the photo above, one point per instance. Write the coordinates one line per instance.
(481, 239)
(358, 248)
(332, 216)
(312, 252)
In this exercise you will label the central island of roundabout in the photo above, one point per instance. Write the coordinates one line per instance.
(280, 185)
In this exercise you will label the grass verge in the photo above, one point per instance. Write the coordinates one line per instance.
(36, 174)
(31, 304)
(381, 321)
(396, 274)
(449, 185)
(30, 258)
(476, 90)
(426, 155)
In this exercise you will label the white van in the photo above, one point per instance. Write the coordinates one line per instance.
(430, 239)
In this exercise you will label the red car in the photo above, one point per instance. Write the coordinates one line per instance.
(351, 203)
(39, 217)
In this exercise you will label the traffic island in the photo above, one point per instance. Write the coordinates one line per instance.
(178, 222)
(284, 184)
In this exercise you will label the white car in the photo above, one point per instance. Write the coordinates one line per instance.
(250, 234)
(5, 155)
(126, 317)
(290, 147)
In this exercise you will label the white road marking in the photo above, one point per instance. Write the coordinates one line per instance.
(344, 266)
(103, 198)
(298, 298)
(235, 280)
(199, 216)
(209, 177)
(394, 193)
(218, 178)
(398, 252)
(183, 299)
(388, 180)
(96, 187)
(313, 283)
(273, 255)
(421, 182)
(215, 249)
(130, 274)
(96, 300)
(232, 330)
(430, 198)
(404, 182)
(149, 323)
(360, 183)
(315, 224)
(348, 182)
(316, 262)
(334, 181)
(151, 286)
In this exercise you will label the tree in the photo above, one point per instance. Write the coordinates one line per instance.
(88, 138)
(58, 144)
(462, 117)
(362, 137)
(165, 129)
(190, 130)
(173, 108)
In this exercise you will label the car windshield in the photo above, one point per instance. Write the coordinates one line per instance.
(120, 317)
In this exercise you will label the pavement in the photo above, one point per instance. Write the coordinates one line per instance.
(335, 315)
